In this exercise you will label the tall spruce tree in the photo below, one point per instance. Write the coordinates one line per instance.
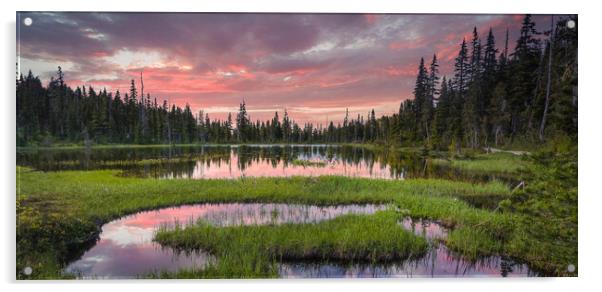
(473, 108)
(242, 123)
(421, 89)
(524, 65)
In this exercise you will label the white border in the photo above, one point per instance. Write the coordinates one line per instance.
(589, 144)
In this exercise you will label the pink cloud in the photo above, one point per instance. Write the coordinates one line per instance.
(212, 61)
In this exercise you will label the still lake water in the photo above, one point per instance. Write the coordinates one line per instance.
(126, 250)
(199, 162)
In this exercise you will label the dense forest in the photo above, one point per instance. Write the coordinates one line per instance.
(495, 97)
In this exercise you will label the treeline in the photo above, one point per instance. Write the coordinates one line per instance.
(58, 113)
(493, 98)
(523, 97)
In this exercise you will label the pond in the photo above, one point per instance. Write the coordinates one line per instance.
(125, 248)
(234, 161)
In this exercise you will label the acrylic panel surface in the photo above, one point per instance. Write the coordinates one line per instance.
(295, 145)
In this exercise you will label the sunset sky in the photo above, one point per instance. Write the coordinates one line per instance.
(314, 65)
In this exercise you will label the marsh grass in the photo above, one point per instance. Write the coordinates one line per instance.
(500, 162)
(108, 164)
(350, 238)
(59, 215)
(59, 212)
(249, 264)
(473, 243)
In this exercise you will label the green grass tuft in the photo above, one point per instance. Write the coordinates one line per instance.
(350, 238)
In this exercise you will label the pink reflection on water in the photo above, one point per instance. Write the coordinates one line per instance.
(430, 230)
(261, 167)
(125, 248)
(109, 259)
(437, 263)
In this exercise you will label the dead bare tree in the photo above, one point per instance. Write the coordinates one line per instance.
(141, 85)
(548, 85)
